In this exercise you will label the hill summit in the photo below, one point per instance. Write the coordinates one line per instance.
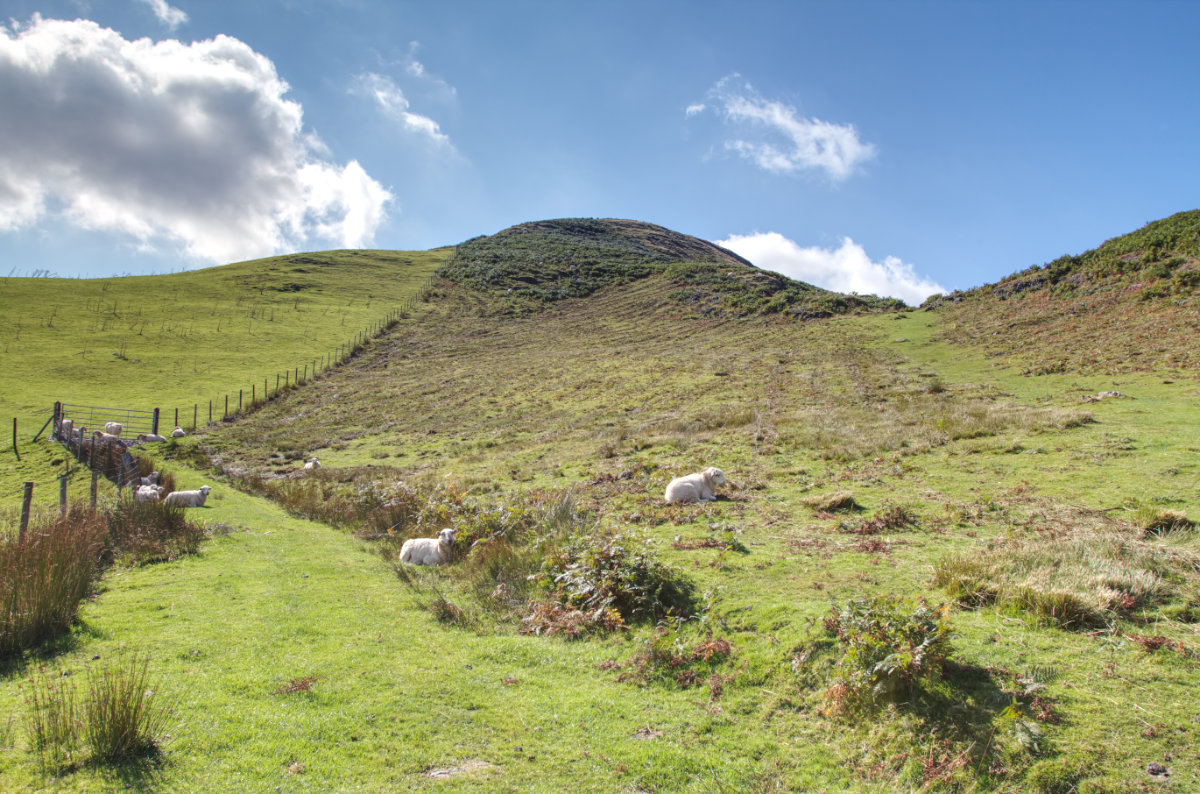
(550, 260)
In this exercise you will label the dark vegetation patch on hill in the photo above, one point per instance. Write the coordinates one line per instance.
(1132, 304)
(531, 264)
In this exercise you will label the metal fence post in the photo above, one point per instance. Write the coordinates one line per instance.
(62, 494)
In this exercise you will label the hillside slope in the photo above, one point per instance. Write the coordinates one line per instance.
(533, 263)
(1131, 304)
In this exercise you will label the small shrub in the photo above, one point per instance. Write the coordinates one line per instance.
(44, 577)
(889, 644)
(52, 721)
(122, 715)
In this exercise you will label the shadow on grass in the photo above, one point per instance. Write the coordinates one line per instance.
(48, 650)
(136, 773)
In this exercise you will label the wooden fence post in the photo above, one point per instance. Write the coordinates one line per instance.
(25, 502)
(177, 417)
(62, 494)
(154, 429)
(252, 397)
(277, 383)
(95, 487)
(239, 401)
(16, 451)
(226, 416)
(210, 412)
(195, 409)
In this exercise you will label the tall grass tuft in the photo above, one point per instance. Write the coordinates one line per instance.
(44, 576)
(123, 715)
(52, 720)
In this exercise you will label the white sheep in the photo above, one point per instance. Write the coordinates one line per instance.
(178, 432)
(105, 436)
(113, 427)
(428, 551)
(65, 428)
(150, 479)
(188, 498)
(148, 493)
(150, 437)
(312, 464)
(695, 487)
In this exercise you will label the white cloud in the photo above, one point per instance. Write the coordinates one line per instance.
(168, 15)
(846, 269)
(774, 138)
(192, 146)
(391, 101)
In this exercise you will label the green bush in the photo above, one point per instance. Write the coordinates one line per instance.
(888, 644)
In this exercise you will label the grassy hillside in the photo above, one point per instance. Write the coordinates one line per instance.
(524, 266)
(866, 455)
(1130, 305)
(180, 340)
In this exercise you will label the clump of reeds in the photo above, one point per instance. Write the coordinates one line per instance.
(45, 574)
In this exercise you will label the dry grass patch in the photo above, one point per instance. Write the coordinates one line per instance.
(1078, 569)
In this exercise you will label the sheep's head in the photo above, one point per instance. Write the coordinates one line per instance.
(204, 489)
(446, 536)
(717, 476)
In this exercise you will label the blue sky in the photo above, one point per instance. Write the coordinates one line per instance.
(898, 148)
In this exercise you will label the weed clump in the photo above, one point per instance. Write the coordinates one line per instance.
(889, 644)
(611, 578)
(667, 657)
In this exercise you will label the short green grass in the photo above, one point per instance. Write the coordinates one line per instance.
(608, 397)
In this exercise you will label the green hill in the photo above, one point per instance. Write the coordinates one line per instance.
(1130, 305)
(532, 263)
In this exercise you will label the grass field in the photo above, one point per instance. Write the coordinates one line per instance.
(296, 659)
(177, 342)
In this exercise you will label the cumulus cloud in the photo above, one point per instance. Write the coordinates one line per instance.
(391, 100)
(193, 146)
(168, 15)
(845, 269)
(775, 138)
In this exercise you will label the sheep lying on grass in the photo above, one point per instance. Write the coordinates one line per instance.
(178, 432)
(312, 464)
(695, 487)
(150, 437)
(148, 493)
(150, 479)
(113, 427)
(188, 498)
(428, 551)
